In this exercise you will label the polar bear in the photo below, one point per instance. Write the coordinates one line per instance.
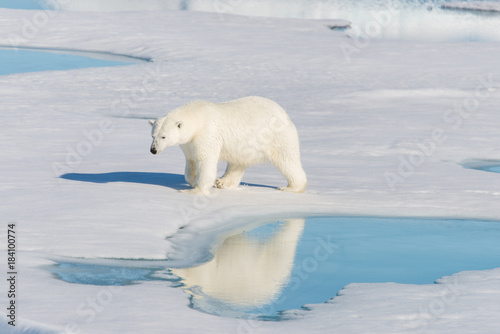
(241, 132)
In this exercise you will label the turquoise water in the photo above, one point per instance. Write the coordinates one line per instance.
(492, 166)
(412, 251)
(21, 61)
(21, 4)
(493, 169)
(286, 265)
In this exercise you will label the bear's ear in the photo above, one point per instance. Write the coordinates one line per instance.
(179, 124)
(152, 122)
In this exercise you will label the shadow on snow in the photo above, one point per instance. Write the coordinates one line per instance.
(175, 181)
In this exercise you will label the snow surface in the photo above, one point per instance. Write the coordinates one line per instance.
(388, 19)
(385, 127)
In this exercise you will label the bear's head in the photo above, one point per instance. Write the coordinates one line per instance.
(168, 131)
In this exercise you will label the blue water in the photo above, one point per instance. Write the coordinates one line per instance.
(493, 169)
(326, 255)
(21, 4)
(21, 61)
(99, 275)
(413, 251)
(492, 166)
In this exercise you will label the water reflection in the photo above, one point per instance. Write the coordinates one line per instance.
(248, 272)
(270, 272)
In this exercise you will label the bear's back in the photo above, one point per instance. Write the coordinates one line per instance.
(250, 129)
(254, 106)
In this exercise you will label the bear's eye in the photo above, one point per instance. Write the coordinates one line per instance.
(162, 137)
(179, 125)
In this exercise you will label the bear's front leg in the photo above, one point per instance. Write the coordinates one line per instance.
(190, 172)
(206, 173)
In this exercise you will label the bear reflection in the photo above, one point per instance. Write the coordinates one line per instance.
(245, 273)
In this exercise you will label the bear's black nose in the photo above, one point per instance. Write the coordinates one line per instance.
(153, 150)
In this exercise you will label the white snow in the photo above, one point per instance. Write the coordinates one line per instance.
(384, 125)
(388, 19)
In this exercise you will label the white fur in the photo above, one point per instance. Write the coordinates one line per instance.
(242, 132)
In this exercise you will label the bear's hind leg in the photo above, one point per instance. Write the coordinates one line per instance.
(231, 177)
(290, 166)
